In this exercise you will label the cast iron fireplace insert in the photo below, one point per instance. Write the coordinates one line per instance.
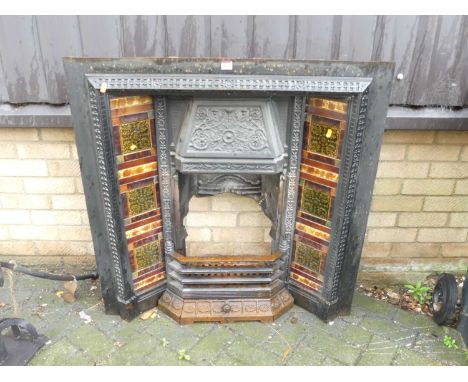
(302, 138)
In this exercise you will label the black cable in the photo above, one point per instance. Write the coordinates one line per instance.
(47, 275)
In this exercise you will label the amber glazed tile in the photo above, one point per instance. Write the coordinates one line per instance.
(136, 157)
(324, 130)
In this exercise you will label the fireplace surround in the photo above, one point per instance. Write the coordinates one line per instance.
(301, 138)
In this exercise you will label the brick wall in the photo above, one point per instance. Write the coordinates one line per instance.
(42, 208)
(419, 219)
(227, 224)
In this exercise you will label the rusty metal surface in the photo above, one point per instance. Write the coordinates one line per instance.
(188, 311)
(430, 51)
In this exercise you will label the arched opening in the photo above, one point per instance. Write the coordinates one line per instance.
(227, 224)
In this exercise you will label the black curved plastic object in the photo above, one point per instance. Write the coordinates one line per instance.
(44, 275)
(444, 299)
(463, 323)
(18, 349)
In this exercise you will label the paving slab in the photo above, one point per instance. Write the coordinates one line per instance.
(303, 355)
(407, 357)
(208, 348)
(375, 333)
(379, 352)
(333, 347)
(244, 352)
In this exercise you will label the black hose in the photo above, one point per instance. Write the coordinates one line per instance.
(47, 275)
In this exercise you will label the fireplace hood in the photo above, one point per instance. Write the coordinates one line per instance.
(238, 135)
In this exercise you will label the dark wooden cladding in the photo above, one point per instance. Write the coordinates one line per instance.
(23, 67)
(135, 153)
(430, 51)
(144, 36)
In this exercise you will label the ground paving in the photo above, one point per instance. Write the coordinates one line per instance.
(376, 333)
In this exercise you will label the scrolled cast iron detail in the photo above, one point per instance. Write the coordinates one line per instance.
(212, 184)
(228, 167)
(212, 130)
(292, 174)
(351, 166)
(230, 82)
(104, 178)
(164, 173)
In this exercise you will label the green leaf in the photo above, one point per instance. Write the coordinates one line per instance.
(450, 342)
(419, 292)
(182, 355)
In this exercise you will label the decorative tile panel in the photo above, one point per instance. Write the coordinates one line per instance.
(324, 130)
(148, 254)
(141, 199)
(316, 202)
(133, 129)
(307, 257)
(323, 138)
(135, 136)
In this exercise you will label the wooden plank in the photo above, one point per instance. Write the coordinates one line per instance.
(231, 36)
(426, 34)
(445, 80)
(397, 44)
(274, 36)
(317, 37)
(100, 36)
(21, 60)
(54, 49)
(464, 58)
(431, 52)
(188, 36)
(143, 36)
(357, 38)
(3, 89)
